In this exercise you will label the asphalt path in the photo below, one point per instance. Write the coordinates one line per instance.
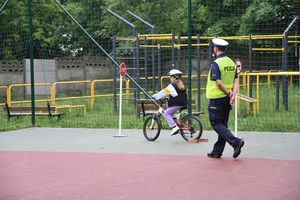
(92, 164)
(257, 144)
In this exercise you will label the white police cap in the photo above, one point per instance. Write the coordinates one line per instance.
(220, 42)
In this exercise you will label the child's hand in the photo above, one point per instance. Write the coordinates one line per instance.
(161, 110)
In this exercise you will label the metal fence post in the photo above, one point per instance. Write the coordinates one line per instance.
(114, 51)
(178, 52)
(198, 74)
(173, 49)
(31, 63)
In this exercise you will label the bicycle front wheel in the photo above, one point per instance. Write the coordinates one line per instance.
(191, 127)
(152, 128)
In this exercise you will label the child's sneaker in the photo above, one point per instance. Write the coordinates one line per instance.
(175, 130)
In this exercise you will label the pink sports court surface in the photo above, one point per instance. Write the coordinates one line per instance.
(80, 164)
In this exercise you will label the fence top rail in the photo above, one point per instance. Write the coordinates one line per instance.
(71, 82)
(28, 84)
(246, 98)
(241, 37)
(271, 73)
(176, 37)
(268, 49)
(103, 80)
(265, 73)
(185, 76)
(155, 34)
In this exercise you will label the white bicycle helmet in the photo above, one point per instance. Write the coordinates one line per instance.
(175, 73)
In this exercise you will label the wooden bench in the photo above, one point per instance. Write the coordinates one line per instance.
(18, 111)
(147, 107)
(249, 100)
(58, 107)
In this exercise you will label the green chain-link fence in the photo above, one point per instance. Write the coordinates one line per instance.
(78, 79)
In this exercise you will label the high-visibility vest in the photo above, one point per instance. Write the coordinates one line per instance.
(227, 69)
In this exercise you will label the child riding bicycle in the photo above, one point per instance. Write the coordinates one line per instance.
(176, 91)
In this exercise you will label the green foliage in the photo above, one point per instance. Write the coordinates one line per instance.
(52, 28)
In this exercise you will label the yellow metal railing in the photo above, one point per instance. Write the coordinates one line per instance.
(93, 95)
(257, 75)
(268, 49)
(193, 76)
(248, 100)
(245, 83)
(53, 90)
(9, 92)
(176, 46)
(168, 37)
(69, 107)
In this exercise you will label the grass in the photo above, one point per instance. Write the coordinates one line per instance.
(103, 115)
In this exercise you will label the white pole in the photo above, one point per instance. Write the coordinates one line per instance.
(120, 110)
(120, 106)
(299, 64)
(235, 115)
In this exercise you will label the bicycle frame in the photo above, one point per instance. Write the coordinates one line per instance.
(185, 124)
(177, 119)
(152, 122)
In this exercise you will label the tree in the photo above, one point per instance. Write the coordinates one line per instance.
(53, 29)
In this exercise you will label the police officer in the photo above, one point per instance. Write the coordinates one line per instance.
(221, 89)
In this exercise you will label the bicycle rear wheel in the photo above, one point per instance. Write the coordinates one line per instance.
(191, 127)
(152, 128)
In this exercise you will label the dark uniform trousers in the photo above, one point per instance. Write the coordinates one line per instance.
(219, 110)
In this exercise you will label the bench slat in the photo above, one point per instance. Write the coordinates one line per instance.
(57, 114)
(17, 111)
(28, 108)
(246, 98)
(23, 113)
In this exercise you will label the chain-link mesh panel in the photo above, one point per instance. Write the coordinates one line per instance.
(73, 74)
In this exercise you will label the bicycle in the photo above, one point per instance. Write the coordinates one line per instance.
(190, 126)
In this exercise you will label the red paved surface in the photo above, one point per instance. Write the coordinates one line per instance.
(81, 176)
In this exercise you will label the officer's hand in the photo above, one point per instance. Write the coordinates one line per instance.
(232, 99)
